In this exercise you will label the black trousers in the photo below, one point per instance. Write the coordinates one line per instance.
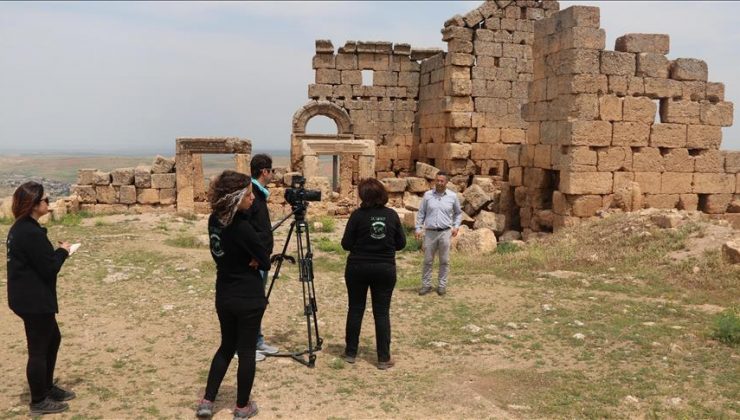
(43, 338)
(239, 326)
(381, 279)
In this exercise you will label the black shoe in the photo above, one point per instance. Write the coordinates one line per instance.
(47, 406)
(441, 291)
(424, 290)
(59, 394)
(347, 358)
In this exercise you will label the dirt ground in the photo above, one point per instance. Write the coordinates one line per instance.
(139, 330)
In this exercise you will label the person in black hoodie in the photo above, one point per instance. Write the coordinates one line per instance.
(33, 265)
(240, 295)
(261, 168)
(372, 237)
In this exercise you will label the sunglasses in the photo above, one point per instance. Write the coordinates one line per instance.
(45, 200)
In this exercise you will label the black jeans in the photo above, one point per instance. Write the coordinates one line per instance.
(239, 326)
(381, 279)
(43, 338)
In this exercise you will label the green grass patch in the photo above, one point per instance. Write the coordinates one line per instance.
(327, 245)
(6, 220)
(727, 328)
(328, 224)
(71, 219)
(506, 248)
(185, 241)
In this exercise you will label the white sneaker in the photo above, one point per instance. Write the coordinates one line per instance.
(258, 357)
(266, 349)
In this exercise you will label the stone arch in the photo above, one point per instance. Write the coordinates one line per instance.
(325, 108)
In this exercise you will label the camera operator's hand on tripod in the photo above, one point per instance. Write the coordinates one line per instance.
(254, 264)
(417, 234)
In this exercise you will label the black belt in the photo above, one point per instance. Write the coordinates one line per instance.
(438, 229)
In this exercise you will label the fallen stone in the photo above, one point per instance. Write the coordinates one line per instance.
(731, 251)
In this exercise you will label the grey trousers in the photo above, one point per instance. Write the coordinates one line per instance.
(436, 242)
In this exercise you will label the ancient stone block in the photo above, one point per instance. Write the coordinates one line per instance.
(122, 176)
(586, 182)
(732, 161)
(586, 205)
(475, 198)
(147, 196)
(713, 183)
(320, 91)
(495, 221)
(516, 176)
(681, 112)
(704, 137)
(715, 92)
(661, 201)
(488, 135)
(678, 160)
(688, 202)
(346, 62)
(143, 177)
(580, 37)
(689, 69)
(164, 180)
(649, 182)
(417, 185)
(106, 194)
(581, 16)
(668, 135)
(167, 196)
(328, 77)
(101, 178)
(617, 63)
(631, 134)
(86, 193)
(588, 133)
(86, 176)
(426, 171)
(715, 203)
(676, 182)
(658, 88)
(610, 108)
(127, 194)
(162, 165)
(394, 185)
(720, 114)
(640, 109)
(643, 43)
(709, 161)
(578, 61)
(647, 159)
(612, 159)
(652, 65)
(324, 61)
(694, 90)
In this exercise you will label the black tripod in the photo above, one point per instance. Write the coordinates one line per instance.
(305, 267)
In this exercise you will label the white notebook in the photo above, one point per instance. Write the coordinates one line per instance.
(74, 248)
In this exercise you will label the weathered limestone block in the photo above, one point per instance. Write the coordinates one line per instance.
(477, 241)
(127, 194)
(164, 180)
(612, 159)
(147, 196)
(85, 193)
(586, 182)
(580, 37)
(122, 176)
(647, 159)
(732, 161)
(106, 194)
(643, 43)
(689, 69)
(652, 65)
(660, 88)
(167, 196)
(324, 61)
(618, 63)
(676, 182)
(586, 205)
(649, 182)
(661, 201)
(610, 108)
(489, 220)
(86, 176)
(457, 150)
(713, 183)
(143, 177)
(715, 203)
(101, 178)
(681, 112)
(720, 114)
(328, 77)
(631, 134)
(731, 251)
(320, 91)
(475, 198)
(641, 109)
(426, 171)
(417, 185)
(411, 201)
(710, 161)
(715, 92)
(162, 165)
(703, 137)
(588, 133)
(668, 135)
(578, 61)
(688, 202)
(578, 16)
(694, 90)
(678, 160)
(394, 185)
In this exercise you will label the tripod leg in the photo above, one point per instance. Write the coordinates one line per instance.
(312, 292)
(280, 261)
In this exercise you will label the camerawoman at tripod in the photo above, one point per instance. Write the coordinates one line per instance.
(298, 198)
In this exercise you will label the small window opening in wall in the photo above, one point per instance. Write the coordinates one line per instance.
(657, 111)
(367, 78)
(523, 14)
(664, 151)
(695, 152)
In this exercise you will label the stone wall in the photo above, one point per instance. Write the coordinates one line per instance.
(139, 189)
(628, 128)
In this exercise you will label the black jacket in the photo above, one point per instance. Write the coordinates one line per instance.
(373, 235)
(232, 248)
(33, 265)
(259, 216)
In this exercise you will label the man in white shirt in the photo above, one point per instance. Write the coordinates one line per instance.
(439, 218)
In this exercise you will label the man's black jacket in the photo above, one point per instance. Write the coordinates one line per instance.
(259, 216)
(33, 265)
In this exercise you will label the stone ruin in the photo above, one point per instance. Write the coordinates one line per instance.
(538, 124)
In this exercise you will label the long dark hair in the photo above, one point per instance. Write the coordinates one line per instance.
(26, 197)
(226, 183)
(372, 193)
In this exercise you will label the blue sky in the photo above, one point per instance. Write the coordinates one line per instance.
(133, 76)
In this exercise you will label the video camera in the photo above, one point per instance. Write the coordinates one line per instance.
(297, 194)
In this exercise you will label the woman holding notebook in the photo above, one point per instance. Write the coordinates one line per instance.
(33, 265)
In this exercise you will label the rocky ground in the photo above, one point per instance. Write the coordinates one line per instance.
(611, 319)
